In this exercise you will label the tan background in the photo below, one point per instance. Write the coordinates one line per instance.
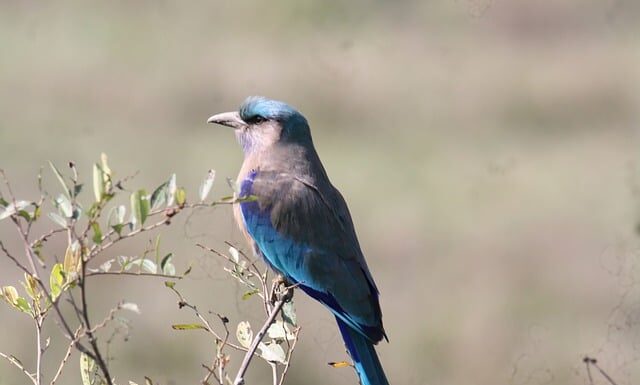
(488, 151)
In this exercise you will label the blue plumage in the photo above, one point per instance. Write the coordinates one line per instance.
(301, 226)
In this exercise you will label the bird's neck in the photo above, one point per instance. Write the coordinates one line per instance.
(290, 158)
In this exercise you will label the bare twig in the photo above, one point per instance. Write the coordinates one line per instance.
(77, 335)
(274, 372)
(592, 361)
(19, 365)
(239, 380)
(183, 303)
(38, 320)
(292, 347)
(45, 237)
(96, 249)
(93, 341)
(14, 259)
(220, 359)
(587, 361)
(141, 274)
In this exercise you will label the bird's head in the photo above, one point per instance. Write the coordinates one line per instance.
(261, 123)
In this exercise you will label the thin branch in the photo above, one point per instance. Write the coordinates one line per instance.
(219, 359)
(90, 334)
(96, 249)
(40, 350)
(45, 237)
(27, 247)
(211, 372)
(14, 259)
(603, 373)
(239, 380)
(264, 294)
(142, 274)
(18, 364)
(289, 355)
(274, 372)
(76, 338)
(587, 361)
(183, 303)
(110, 317)
(262, 277)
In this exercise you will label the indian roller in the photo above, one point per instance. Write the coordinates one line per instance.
(300, 224)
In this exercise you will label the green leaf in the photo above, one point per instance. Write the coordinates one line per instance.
(64, 206)
(272, 352)
(97, 233)
(23, 305)
(37, 249)
(145, 264)
(12, 208)
(56, 280)
(24, 214)
(77, 189)
(89, 371)
(124, 262)
(98, 182)
(188, 327)
(149, 266)
(37, 212)
(166, 266)
(116, 215)
(249, 293)
(171, 190)
(289, 313)
(11, 296)
(207, 183)
(106, 171)
(235, 254)
(31, 286)
(159, 195)
(181, 197)
(139, 206)
(10, 293)
(279, 330)
(244, 334)
(169, 284)
(3, 202)
(71, 263)
(156, 248)
(58, 175)
(117, 228)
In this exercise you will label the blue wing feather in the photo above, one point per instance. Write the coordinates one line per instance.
(309, 264)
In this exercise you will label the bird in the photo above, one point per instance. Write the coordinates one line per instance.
(299, 223)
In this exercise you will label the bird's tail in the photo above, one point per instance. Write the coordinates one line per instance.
(363, 355)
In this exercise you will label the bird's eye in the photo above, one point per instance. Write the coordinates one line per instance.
(256, 119)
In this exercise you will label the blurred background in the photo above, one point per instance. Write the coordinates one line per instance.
(488, 151)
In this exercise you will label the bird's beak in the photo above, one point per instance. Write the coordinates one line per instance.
(229, 119)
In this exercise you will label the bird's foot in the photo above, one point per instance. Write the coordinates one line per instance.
(281, 289)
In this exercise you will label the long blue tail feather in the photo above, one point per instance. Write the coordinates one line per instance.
(364, 356)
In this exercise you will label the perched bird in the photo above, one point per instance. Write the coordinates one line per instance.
(301, 226)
